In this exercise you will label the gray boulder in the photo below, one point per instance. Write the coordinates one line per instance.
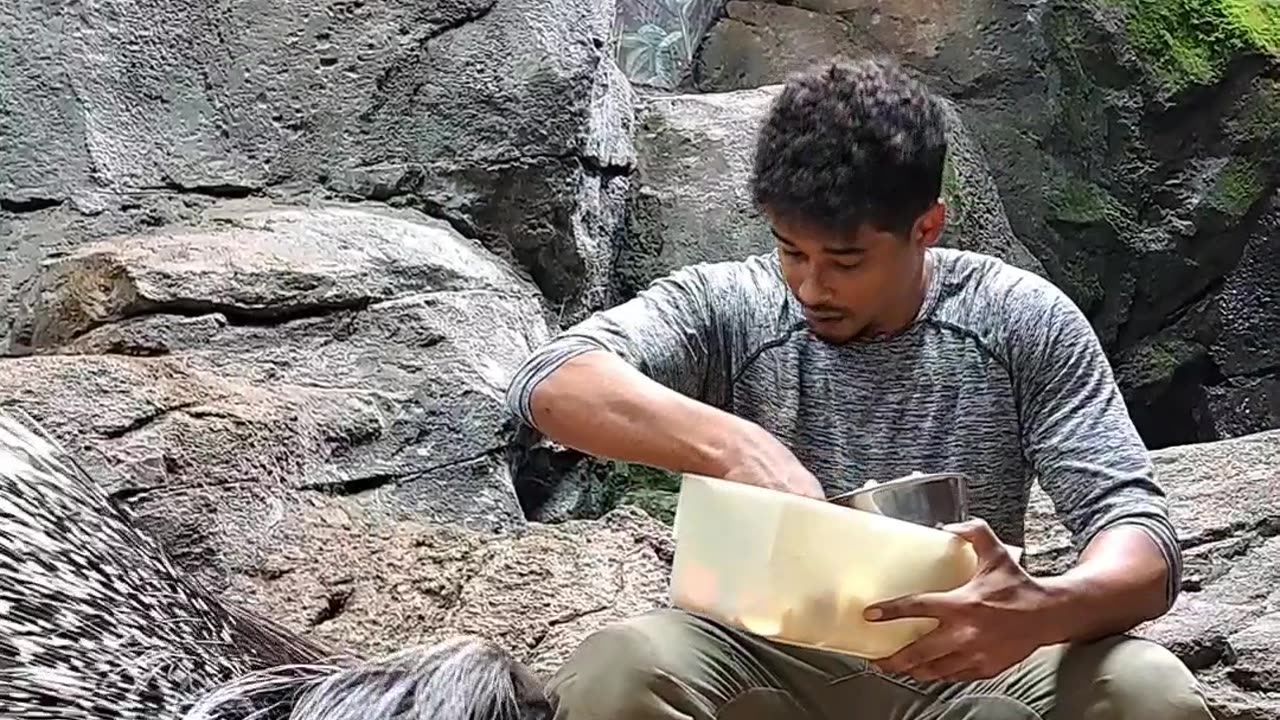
(1215, 368)
(281, 353)
(510, 118)
(974, 44)
(538, 592)
(1224, 499)
(690, 201)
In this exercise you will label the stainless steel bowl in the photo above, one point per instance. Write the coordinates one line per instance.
(925, 499)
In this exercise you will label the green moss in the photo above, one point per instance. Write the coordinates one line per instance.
(1076, 200)
(1154, 362)
(952, 189)
(1237, 187)
(650, 489)
(660, 504)
(1189, 42)
(1257, 120)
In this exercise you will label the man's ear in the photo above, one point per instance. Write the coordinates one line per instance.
(928, 227)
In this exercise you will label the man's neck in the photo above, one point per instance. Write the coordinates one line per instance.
(910, 308)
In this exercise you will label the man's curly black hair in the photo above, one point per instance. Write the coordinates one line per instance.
(850, 142)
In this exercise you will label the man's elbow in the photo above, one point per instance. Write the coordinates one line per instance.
(542, 379)
(1144, 547)
(1161, 534)
(519, 392)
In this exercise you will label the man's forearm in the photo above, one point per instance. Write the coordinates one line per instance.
(1118, 583)
(600, 405)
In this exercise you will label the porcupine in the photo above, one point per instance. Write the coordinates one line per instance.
(98, 623)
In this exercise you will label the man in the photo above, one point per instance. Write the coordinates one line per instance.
(860, 350)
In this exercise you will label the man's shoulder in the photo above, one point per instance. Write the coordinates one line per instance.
(971, 275)
(999, 303)
(745, 298)
(750, 285)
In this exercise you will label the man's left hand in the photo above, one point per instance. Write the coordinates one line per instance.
(985, 626)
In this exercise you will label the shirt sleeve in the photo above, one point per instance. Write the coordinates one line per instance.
(673, 332)
(1076, 429)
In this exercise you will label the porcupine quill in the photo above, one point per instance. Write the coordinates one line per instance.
(98, 623)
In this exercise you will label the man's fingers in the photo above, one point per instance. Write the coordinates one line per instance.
(934, 605)
(949, 667)
(930, 647)
(981, 536)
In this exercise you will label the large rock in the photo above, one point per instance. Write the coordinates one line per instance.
(975, 43)
(1148, 222)
(539, 592)
(276, 353)
(1216, 367)
(1242, 337)
(1224, 499)
(1146, 228)
(690, 198)
(760, 43)
(508, 117)
(1134, 153)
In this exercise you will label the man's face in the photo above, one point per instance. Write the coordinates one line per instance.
(863, 282)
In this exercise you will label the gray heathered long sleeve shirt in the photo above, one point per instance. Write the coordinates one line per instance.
(1000, 377)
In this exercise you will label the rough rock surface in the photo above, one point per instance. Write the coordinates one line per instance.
(974, 44)
(690, 201)
(1146, 229)
(1224, 498)
(1135, 156)
(542, 589)
(509, 118)
(538, 591)
(275, 353)
(1218, 363)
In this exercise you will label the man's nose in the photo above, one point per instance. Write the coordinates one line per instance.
(813, 291)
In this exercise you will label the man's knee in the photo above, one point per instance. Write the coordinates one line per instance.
(616, 662)
(1127, 678)
(626, 670)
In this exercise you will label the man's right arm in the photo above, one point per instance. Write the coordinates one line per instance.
(598, 404)
(644, 382)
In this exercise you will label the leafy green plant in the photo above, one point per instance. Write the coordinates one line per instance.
(652, 54)
(655, 52)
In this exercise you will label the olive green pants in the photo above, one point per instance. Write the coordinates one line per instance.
(671, 665)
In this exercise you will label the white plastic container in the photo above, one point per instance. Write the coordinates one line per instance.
(801, 571)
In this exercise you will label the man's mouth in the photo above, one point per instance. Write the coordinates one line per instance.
(822, 316)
